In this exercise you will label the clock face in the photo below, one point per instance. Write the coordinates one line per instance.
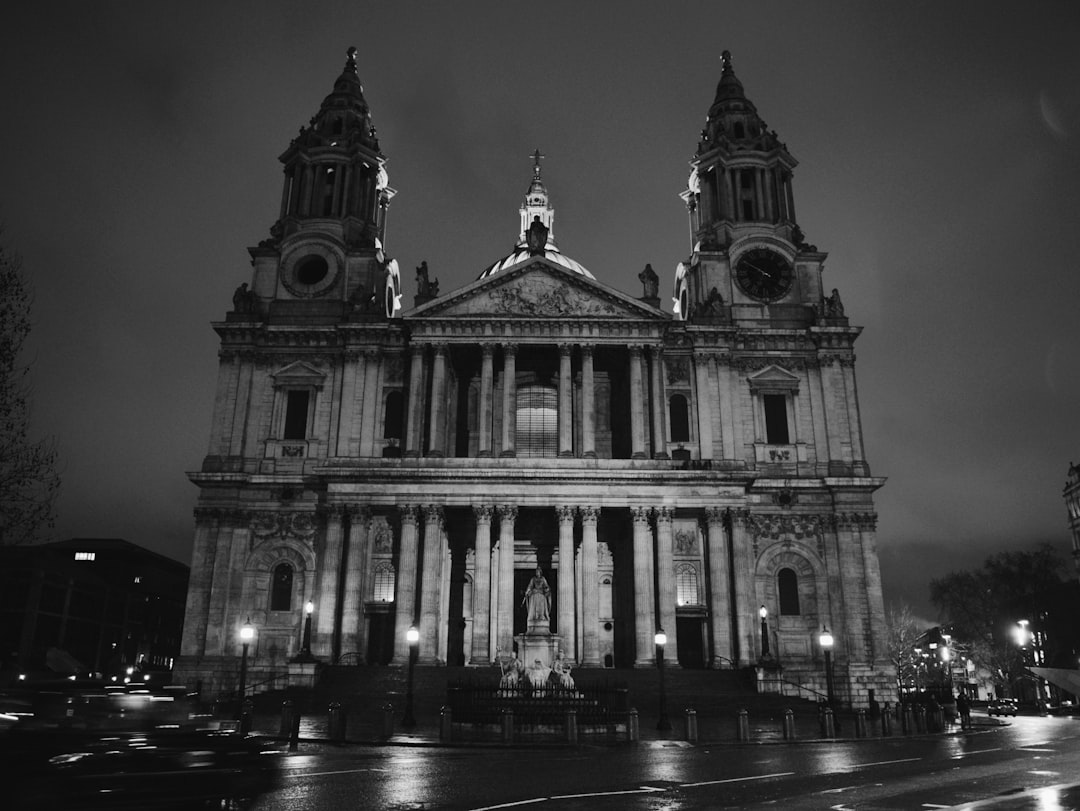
(764, 274)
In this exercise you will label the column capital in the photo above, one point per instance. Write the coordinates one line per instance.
(664, 515)
(589, 515)
(483, 512)
(358, 513)
(487, 349)
(408, 513)
(566, 350)
(508, 512)
(509, 349)
(587, 349)
(417, 349)
(714, 517)
(566, 513)
(433, 513)
(440, 348)
(636, 350)
(655, 350)
(640, 514)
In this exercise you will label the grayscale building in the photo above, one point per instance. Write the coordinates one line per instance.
(398, 465)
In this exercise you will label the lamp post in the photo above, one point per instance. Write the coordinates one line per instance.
(413, 636)
(763, 612)
(247, 633)
(305, 649)
(826, 640)
(661, 641)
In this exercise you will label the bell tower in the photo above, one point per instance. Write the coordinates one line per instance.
(749, 260)
(327, 244)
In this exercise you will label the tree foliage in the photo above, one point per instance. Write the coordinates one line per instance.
(902, 630)
(983, 605)
(28, 479)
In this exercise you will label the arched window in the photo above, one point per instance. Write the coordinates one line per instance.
(537, 421)
(679, 415)
(787, 583)
(384, 582)
(281, 588)
(394, 416)
(686, 585)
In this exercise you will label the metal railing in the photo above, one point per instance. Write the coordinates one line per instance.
(595, 704)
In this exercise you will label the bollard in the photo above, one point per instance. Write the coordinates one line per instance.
(388, 720)
(508, 726)
(860, 723)
(691, 725)
(908, 720)
(446, 725)
(633, 731)
(294, 733)
(789, 725)
(886, 724)
(288, 709)
(920, 718)
(742, 726)
(336, 722)
(571, 726)
(821, 719)
(830, 723)
(247, 711)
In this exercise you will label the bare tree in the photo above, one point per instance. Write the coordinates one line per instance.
(28, 479)
(903, 630)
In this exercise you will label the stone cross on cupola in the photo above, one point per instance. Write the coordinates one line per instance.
(536, 206)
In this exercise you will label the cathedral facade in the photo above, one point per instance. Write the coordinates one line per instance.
(389, 464)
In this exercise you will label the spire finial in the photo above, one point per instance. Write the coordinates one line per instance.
(537, 157)
(725, 59)
(350, 62)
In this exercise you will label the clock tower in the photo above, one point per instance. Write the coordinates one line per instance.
(749, 260)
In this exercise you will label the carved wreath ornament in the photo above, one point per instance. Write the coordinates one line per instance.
(268, 524)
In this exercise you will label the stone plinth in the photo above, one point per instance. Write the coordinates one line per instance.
(538, 643)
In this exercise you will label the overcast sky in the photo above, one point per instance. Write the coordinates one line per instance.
(939, 167)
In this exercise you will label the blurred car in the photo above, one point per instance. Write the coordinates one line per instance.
(1002, 706)
(82, 749)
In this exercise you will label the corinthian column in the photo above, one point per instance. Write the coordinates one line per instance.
(744, 605)
(329, 568)
(588, 408)
(437, 428)
(430, 583)
(566, 580)
(405, 596)
(505, 618)
(351, 618)
(414, 417)
(665, 577)
(486, 394)
(566, 403)
(644, 603)
(659, 408)
(719, 586)
(481, 638)
(509, 426)
(637, 405)
(590, 621)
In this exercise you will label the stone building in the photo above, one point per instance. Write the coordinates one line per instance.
(399, 465)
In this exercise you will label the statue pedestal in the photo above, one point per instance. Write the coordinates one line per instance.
(538, 643)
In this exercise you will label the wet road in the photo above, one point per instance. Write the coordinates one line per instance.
(895, 773)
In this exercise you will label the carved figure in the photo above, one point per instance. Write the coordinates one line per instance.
(561, 669)
(713, 305)
(510, 670)
(422, 283)
(650, 282)
(243, 299)
(536, 237)
(834, 308)
(538, 675)
(361, 300)
(538, 600)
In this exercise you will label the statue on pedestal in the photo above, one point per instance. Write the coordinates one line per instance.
(538, 601)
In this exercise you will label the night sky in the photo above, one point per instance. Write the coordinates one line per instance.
(938, 167)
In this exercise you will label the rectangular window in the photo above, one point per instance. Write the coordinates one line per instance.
(296, 414)
(776, 427)
(85, 555)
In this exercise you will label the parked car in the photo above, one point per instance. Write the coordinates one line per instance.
(1002, 706)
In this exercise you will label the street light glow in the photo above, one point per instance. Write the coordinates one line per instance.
(660, 638)
(826, 639)
(763, 612)
(412, 635)
(309, 607)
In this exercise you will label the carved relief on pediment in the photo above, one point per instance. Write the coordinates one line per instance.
(531, 295)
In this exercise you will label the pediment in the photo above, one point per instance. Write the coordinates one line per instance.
(298, 373)
(774, 377)
(538, 290)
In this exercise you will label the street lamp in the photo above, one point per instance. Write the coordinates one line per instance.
(247, 633)
(413, 637)
(305, 650)
(763, 612)
(826, 641)
(661, 641)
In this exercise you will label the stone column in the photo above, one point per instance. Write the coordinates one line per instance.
(356, 557)
(326, 602)
(743, 608)
(481, 639)
(405, 596)
(430, 582)
(370, 397)
(659, 407)
(703, 401)
(509, 425)
(588, 408)
(719, 589)
(665, 578)
(505, 616)
(731, 439)
(566, 402)
(770, 194)
(414, 418)
(729, 198)
(644, 601)
(437, 436)
(486, 394)
(566, 580)
(637, 406)
(736, 176)
(590, 621)
(197, 613)
(345, 406)
(759, 194)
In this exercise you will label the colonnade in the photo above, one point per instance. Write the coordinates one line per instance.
(768, 188)
(648, 417)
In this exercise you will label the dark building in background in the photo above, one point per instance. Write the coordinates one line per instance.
(89, 605)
